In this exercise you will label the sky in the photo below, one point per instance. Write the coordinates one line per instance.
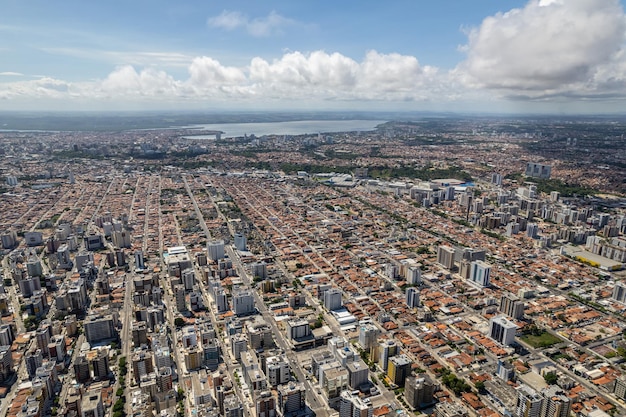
(497, 56)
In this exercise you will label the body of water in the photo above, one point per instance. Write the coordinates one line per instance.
(302, 127)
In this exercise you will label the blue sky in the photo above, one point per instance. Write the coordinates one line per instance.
(479, 55)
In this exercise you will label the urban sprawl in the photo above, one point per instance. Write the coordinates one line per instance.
(443, 267)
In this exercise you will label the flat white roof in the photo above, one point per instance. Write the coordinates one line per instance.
(175, 250)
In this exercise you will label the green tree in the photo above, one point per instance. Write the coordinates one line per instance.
(551, 378)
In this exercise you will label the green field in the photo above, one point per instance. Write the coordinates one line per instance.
(544, 339)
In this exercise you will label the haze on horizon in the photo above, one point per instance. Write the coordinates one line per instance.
(536, 56)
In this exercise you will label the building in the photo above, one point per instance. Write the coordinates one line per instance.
(291, 397)
(332, 299)
(556, 403)
(445, 257)
(386, 349)
(277, 370)
(450, 409)
(6, 363)
(243, 302)
(479, 273)
(412, 297)
(512, 306)
(358, 373)
(100, 328)
(99, 361)
(368, 337)
(91, 404)
(215, 250)
(536, 170)
(241, 242)
(259, 270)
(140, 263)
(419, 391)
(233, 407)
(619, 293)
(298, 329)
(353, 406)
(502, 330)
(505, 370)
(265, 405)
(143, 364)
(619, 388)
(398, 369)
(238, 344)
(529, 402)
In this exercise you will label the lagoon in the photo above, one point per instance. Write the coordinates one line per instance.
(302, 127)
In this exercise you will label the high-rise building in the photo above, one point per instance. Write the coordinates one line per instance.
(259, 269)
(215, 250)
(368, 336)
(358, 373)
(512, 306)
(332, 299)
(99, 361)
(188, 277)
(619, 293)
(413, 275)
(505, 370)
(291, 397)
(386, 349)
(140, 264)
(529, 402)
(143, 364)
(502, 330)
(419, 391)
(277, 371)
(241, 242)
(6, 363)
(179, 295)
(265, 405)
(243, 302)
(619, 388)
(412, 297)
(445, 257)
(353, 406)
(91, 404)
(298, 328)
(555, 402)
(100, 328)
(536, 170)
(399, 367)
(479, 273)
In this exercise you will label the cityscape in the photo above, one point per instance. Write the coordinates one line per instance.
(429, 265)
(287, 208)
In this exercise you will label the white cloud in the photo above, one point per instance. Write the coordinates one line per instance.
(207, 72)
(11, 74)
(228, 20)
(272, 24)
(126, 81)
(317, 76)
(547, 48)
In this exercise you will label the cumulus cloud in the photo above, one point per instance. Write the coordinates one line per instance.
(295, 76)
(125, 81)
(272, 24)
(43, 87)
(547, 48)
